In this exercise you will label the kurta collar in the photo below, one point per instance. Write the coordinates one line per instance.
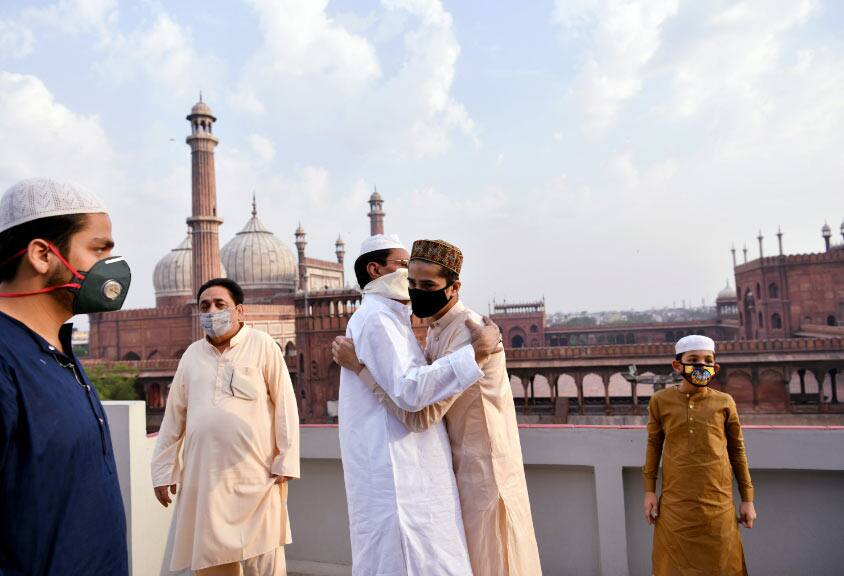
(236, 339)
(402, 310)
(450, 316)
(65, 337)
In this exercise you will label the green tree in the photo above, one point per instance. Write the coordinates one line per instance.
(116, 382)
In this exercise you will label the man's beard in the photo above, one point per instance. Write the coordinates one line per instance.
(64, 296)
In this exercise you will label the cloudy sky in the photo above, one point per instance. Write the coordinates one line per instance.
(603, 154)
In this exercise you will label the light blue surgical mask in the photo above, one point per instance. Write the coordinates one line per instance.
(216, 324)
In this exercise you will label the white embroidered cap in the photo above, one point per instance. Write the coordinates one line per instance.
(694, 342)
(381, 242)
(41, 198)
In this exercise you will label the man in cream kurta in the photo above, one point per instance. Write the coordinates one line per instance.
(481, 423)
(234, 413)
(404, 511)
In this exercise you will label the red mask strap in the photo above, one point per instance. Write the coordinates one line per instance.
(48, 288)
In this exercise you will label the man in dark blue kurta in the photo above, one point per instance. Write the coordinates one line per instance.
(61, 512)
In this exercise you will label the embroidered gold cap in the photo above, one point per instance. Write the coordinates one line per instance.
(439, 252)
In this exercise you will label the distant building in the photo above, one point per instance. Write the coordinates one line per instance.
(792, 296)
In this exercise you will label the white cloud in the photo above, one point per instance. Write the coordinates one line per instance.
(16, 40)
(163, 54)
(77, 17)
(41, 137)
(314, 75)
(263, 147)
(625, 36)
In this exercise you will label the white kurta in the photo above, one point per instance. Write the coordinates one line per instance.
(235, 413)
(404, 509)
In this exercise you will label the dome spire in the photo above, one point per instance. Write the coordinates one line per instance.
(254, 205)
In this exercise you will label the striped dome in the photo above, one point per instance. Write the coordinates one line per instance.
(255, 258)
(173, 274)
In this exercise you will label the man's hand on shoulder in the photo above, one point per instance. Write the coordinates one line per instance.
(486, 338)
(343, 350)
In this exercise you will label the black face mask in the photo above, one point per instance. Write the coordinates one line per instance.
(426, 303)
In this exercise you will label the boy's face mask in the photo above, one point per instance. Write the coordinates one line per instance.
(103, 288)
(699, 375)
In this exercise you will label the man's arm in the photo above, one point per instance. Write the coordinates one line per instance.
(286, 414)
(165, 467)
(653, 454)
(397, 363)
(738, 461)
(413, 421)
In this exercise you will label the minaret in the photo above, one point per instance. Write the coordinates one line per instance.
(376, 214)
(204, 222)
(340, 249)
(826, 232)
(744, 250)
(733, 250)
(300, 248)
(779, 238)
(760, 238)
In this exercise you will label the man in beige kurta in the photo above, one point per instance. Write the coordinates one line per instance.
(232, 412)
(481, 422)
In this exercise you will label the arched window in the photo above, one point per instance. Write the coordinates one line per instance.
(533, 329)
(761, 321)
(517, 341)
(758, 290)
(131, 357)
(290, 350)
(773, 290)
(831, 320)
(776, 321)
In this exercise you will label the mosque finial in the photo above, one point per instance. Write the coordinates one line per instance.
(200, 95)
(254, 205)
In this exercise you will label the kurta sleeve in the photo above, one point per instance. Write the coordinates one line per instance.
(399, 366)
(653, 452)
(738, 455)
(413, 421)
(8, 417)
(166, 465)
(286, 413)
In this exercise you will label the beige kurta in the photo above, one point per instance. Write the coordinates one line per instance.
(235, 414)
(486, 453)
(699, 439)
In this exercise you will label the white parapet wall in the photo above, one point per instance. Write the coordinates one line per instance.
(586, 495)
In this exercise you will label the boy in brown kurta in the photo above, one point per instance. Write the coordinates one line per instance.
(481, 421)
(695, 430)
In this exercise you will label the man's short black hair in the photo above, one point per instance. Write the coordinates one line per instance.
(233, 287)
(377, 256)
(57, 230)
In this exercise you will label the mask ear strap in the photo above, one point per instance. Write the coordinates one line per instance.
(66, 263)
(73, 270)
(58, 255)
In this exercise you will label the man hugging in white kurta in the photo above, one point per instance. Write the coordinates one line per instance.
(404, 509)
(232, 409)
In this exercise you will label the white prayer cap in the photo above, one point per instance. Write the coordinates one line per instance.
(41, 198)
(381, 242)
(694, 342)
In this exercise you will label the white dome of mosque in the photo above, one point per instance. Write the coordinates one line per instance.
(173, 275)
(255, 258)
(727, 293)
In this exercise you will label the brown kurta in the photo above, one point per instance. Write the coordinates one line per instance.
(699, 438)
(486, 452)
